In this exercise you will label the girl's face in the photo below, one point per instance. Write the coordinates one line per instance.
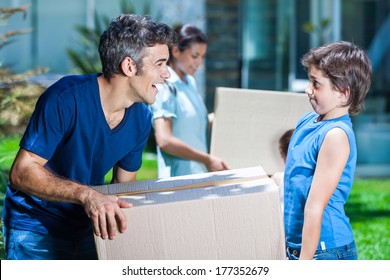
(189, 60)
(325, 100)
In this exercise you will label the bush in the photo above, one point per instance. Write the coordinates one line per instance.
(17, 94)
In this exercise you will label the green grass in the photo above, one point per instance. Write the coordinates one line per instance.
(368, 206)
(8, 150)
(369, 211)
(147, 171)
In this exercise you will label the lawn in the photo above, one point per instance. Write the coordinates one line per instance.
(368, 206)
(369, 211)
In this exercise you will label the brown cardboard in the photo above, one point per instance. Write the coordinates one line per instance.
(233, 214)
(248, 124)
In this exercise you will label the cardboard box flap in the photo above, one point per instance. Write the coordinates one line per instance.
(197, 186)
(248, 125)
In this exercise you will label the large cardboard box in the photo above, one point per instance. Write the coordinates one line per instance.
(233, 214)
(248, 125)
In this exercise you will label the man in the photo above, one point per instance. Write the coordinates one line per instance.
(83, 126)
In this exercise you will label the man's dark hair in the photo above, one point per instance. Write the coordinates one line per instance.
(127, 36)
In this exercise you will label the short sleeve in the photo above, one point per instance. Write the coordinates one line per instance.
(48, 124)
(165, 105)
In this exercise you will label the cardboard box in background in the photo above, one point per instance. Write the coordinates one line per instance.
(248, 125)
(233, 214)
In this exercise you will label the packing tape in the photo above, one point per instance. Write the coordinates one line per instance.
(198, 185)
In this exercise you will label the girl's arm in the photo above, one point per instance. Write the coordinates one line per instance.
(331, 161)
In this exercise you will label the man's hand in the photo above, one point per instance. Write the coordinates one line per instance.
(106, 214)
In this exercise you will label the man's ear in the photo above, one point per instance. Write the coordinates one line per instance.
(128, 67)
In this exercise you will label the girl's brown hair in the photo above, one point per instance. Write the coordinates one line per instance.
(348, 68)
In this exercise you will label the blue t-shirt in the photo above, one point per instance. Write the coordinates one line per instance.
(301, 162)
(69, 129)
(181, 101)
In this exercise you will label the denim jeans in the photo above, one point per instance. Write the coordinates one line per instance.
(28, 245)
(346, 252)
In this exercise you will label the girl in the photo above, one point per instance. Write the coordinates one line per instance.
(321, 158)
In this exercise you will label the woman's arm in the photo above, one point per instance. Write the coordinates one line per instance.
(174, 146)
(211, 117)
(120, 175)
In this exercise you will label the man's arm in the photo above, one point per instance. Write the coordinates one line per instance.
(29, 175)
(120, 175)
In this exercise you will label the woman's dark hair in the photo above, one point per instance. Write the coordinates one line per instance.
(187, 34)
(129, 35)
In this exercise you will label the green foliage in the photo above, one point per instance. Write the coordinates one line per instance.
(17, 94)
(310, 27)
(320, 29)
(17, 100)
(6, 13)
(87, 59)
(8, 149)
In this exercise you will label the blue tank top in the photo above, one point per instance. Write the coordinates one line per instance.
(301, 160)
(68, 128)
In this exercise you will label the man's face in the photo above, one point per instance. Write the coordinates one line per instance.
(153, 72)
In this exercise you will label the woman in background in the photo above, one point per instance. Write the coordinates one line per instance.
(180, 117)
